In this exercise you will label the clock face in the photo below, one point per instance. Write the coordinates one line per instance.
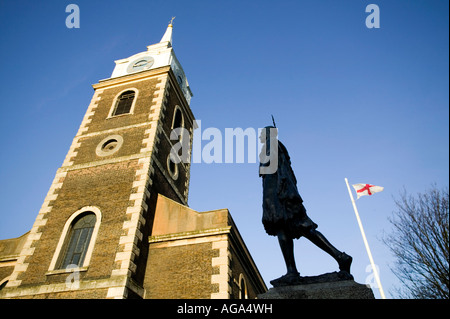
(143, 63)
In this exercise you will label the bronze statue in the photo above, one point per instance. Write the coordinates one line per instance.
(284, 215)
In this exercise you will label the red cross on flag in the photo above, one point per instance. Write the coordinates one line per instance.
(366, 189)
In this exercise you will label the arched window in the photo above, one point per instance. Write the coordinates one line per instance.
(78, 240)
(177, 119)
(242, 287)
(176, 133)
(124, 103)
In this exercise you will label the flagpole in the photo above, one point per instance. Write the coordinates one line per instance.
(377, 278)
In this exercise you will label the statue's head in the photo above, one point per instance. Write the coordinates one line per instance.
(268, 157)
(267, 133)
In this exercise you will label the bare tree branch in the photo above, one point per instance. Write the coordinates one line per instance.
(420, 243)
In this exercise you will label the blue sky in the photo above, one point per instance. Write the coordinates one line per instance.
(367, 104)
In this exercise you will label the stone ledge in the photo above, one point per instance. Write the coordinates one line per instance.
(32, 290)
(319, 289)
(190, 234)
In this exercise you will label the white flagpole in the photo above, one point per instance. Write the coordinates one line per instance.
(377, 277)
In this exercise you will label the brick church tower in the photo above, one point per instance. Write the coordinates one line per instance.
(115, 222)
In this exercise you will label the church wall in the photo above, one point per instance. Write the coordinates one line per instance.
(180, 272)
(5, 271)
(131, 145)
(159, 185)
(164, 146)
(161, 181)
(144, 100)
(177, 185)
(9, 252)
(238, 270)
(108, 188)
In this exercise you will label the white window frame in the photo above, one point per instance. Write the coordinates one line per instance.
(242, 291)
(175, 110)
(101, 152)
(116, 98)
(66, 230)
(177, 107)
(174, 174)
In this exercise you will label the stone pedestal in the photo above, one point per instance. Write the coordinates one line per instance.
(327, 286)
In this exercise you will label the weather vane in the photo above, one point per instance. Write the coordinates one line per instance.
(171, 20)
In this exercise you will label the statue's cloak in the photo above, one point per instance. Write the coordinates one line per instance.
(283, 208)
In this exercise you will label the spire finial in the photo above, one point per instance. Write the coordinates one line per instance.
(171, 21)
(167, 37)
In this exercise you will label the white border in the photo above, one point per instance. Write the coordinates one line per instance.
(114, 104)
(175, 174)
(101, 152)
(177, 107)
(244, 291)
(65, 232)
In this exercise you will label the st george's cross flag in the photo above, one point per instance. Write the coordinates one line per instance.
(366, 189)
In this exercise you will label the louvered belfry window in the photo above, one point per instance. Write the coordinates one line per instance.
(124, 103)
(78, 240)
(178, 120)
